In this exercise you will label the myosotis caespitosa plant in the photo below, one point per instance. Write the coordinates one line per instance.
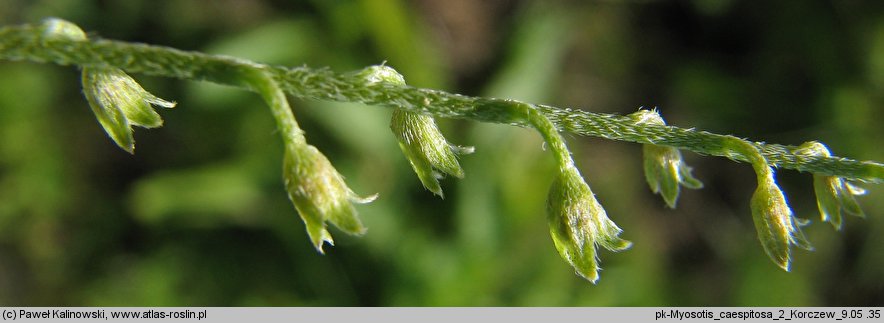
(577, 222)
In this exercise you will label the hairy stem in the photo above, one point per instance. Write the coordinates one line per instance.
(26, 42)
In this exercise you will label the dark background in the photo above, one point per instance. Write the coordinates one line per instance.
(199, 215)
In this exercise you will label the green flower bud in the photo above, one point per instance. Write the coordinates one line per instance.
(314, 186)
(429, 154)
(578, 223)
(55, 28)
(777, 228)
(116, 99)
(319, 194)
(426, 149)
(380, 74)
(832, 193)
(664, 168)
(119, 103)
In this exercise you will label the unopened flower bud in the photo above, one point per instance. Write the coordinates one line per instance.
(777, 228)
(426, 149)
(116, 99)
(319, 194)
(380, 74)
(832, 193)
(119, 103)
(578, 223)
(55, 28)
(664, 168)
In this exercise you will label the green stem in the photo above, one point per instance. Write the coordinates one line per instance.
(738, 148)
(266, 86)
(26, 42)
(549, 132)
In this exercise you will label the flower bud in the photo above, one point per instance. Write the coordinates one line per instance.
(319, 194)
(832, 193)
(380, 74)
(429, 154)
(119, 103)
(777, 228)
(578, 223)
(116, 99)
(55, 28)
(664, 168)
(426, 149)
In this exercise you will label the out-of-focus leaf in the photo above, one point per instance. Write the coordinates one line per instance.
(283, 42)
(207, 196)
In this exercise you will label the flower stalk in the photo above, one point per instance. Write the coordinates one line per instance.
(27, 42)
(578, 224)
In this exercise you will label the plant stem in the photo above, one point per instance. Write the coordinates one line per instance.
(26, 42)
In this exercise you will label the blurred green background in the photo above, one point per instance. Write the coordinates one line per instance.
(199, 215)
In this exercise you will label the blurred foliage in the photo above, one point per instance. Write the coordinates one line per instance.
(199, 215)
